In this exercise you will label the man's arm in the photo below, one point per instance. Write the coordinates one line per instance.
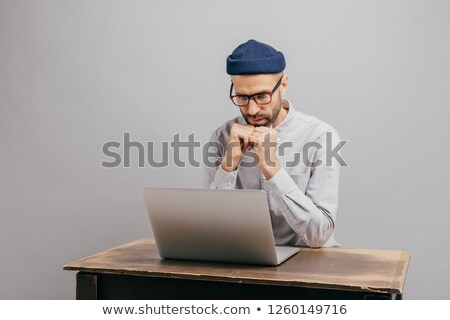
(223, 174)
(215, 177)
(311, 214)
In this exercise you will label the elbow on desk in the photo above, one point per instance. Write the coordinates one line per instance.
(318, 238)
(317, 243)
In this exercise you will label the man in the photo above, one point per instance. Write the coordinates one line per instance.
(260, 150)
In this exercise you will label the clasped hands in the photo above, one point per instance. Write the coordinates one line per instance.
(261, 140)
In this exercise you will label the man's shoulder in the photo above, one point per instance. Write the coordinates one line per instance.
(312, 125)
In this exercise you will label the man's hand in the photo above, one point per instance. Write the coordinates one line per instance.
(264, 141)
(238, 143)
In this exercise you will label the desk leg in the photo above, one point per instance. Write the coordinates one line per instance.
(86, 286)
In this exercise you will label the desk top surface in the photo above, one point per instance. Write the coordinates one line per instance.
(329, 268)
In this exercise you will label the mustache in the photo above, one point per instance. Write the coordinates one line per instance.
(256, 116)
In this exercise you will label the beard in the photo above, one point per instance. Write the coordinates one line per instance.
(268, 119)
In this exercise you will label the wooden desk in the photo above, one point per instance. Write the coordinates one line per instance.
(135, 271)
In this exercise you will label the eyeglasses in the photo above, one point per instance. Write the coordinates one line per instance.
(241, 100)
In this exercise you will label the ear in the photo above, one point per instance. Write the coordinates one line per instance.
(283, 84)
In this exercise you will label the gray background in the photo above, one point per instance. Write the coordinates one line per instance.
(75, 74)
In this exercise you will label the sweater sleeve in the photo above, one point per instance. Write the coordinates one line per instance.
(310, 213)
(214, 175)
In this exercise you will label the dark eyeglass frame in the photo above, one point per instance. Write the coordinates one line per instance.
(252, 97)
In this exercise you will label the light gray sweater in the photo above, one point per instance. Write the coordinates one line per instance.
(303, 195)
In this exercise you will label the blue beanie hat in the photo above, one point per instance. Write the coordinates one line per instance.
(254, 57)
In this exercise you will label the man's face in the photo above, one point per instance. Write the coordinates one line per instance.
(260, 114)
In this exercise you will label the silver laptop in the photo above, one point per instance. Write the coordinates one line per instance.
(214, 225)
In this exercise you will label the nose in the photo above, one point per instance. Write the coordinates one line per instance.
(253, 107)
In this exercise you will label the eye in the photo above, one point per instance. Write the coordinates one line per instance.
(262, 96)
(240, 100)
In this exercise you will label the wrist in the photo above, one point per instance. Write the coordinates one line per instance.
(270, 170)
(230, 163)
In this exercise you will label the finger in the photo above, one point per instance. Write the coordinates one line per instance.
(246, 126)
(249, 129)
(242, 134)
(246, 139)
(260, 134)
(261, 129)
(255, 139)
